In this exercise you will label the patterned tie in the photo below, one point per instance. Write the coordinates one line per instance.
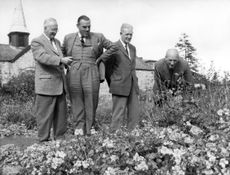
(52, 41)
(82, 40)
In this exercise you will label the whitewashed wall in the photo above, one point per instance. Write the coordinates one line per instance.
(8, 70)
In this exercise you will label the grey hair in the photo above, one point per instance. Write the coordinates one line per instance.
(49, 21)
(126, 26)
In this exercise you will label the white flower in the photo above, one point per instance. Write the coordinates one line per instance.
(110, 171)
(211, 157)
(141, 166)
(188, 123)
(135, 132)
(57, 143)
(221, 120)
(85, 164)
(138, 158)
(223, 162)
(208, 172)
(104, 155)
(113, 158)
(78, 164)
(56, 162)
(195, 130)
(226, 111)
(108, 143)
(78, 132)
(213, 137)
(93, 131)
(60, 154)
(165, 150)
(220, 112)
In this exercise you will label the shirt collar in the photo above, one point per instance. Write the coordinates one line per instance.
(123, 43)
(79, 34)
(46, 37)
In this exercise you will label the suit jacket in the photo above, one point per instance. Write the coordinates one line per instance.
(168, 79)
(96, 41)
(120, 71)
(49, 72)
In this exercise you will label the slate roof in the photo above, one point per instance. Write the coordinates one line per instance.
(11, 54)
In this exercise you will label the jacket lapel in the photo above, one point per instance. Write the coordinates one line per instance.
(131, 52)
(49, 45)
(123, 49)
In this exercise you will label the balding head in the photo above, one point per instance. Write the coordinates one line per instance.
(50, 27)
(126, 32)
(172, 57)
(49, 22)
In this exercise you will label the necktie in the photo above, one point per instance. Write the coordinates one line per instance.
(126, 49)
(53, 44)
(82, 40)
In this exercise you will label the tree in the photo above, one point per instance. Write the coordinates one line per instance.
(188, 51)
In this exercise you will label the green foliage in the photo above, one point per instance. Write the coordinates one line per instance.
(20, 88)
(16, 101)
(184, 46)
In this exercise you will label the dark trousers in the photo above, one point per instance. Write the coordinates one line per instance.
(120, 104)
(51, 110)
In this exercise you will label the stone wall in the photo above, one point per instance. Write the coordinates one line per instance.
(145, 81)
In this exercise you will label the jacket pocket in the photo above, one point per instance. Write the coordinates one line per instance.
(116, 77)
(45, 77)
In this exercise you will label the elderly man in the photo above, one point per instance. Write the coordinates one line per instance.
(86, 48)
(123, 82)
(50, 84)
(171, 72)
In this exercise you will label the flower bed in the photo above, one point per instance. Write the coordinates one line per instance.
(147, 150)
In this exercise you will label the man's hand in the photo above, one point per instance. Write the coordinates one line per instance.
(67, 60)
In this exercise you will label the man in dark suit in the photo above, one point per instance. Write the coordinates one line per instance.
(50, 84)
(123, 82)
(86, 48)
(171, 73)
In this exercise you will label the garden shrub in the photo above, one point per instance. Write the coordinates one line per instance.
(21, 87)
(16, 99)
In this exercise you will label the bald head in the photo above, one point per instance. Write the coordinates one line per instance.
(50, 27)
(172, 57)
(126, 33)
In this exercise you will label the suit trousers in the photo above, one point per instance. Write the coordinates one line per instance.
(120, 104)
(84, 86)
(50, 110)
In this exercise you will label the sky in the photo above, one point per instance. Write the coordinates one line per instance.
(158, 24)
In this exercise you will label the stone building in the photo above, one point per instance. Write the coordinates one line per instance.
(16, 56)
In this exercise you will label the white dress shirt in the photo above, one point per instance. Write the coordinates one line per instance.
(52, 42)
(125, 48)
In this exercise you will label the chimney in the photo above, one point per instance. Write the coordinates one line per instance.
(18, 35)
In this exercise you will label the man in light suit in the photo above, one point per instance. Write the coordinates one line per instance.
(50, 84)
(86, 48)
(123, 82)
